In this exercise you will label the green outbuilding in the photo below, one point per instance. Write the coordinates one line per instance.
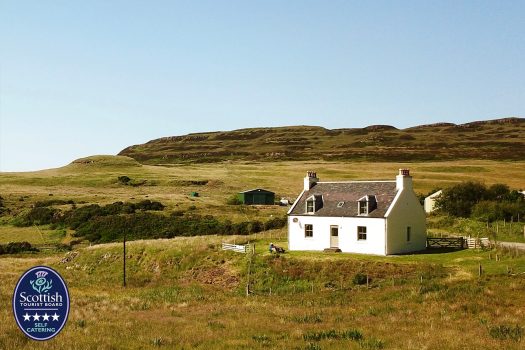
(257, 196)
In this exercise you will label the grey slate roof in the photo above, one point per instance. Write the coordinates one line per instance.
(348, 192)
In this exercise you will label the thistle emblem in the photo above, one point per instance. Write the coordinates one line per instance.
(41, 285)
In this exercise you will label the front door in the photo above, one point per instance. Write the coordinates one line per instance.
(334, 236)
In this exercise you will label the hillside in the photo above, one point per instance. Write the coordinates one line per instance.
(500, 139)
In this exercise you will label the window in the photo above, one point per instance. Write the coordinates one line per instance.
(366, 204)
(409, 231)
(363, 208)
(308, 230)
(340, 204)
(310, 206)
(361, 233)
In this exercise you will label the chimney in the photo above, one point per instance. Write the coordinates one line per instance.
(310, 180)
(403, 180)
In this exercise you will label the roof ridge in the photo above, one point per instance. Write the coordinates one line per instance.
(351, 182)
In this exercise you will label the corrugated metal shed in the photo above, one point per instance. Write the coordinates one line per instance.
(257, 196)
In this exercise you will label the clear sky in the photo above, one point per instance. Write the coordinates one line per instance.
(79, 78)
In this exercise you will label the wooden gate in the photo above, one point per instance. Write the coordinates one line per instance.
(445, 242)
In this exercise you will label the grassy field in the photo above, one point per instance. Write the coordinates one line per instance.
(186, 293)
(95, 180)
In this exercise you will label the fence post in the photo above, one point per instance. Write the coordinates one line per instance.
(367, 282)
(480, 270)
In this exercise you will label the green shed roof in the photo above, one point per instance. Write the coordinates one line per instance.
(258, 190)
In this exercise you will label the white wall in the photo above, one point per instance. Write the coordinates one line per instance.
(406, 211)
(430, 202)
(374, 244)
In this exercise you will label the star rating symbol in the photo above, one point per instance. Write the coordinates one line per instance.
(27, 317)
(45, 317)
(36, 317)
(55, 317)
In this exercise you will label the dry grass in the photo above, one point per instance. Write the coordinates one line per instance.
(98, 184)
(175, 298)
(163, 307)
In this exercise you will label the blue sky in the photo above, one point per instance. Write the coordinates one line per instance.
(79, 78)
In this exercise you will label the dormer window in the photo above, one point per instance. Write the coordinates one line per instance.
(313, 204)
(366, 204)
(363, 208)
(310, 206)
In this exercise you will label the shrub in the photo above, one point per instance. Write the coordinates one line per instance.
(359, 279)
(124, 179)
(51, 202)
(149, 205)
(37, 216)
(459, 200)
(492, 211)
(276, 222)
(16, 247)
(233, 200)
(144, 225)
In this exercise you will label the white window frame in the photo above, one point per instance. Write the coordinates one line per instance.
(310, 206)
(363, 205)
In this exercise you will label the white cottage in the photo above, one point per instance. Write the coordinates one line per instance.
(430, 201)
(369, 217)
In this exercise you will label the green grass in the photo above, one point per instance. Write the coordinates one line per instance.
(172, 185)
(186, 293)
(33, 235)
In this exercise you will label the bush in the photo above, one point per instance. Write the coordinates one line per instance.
(474, 198)
(51, 202)
(459, 200)
(124, 179)
(145, 225)
(37, 216)
(359, 279)
(16, 247)
(276, 222)
(149, 205)
(492, 211)
(233, 200)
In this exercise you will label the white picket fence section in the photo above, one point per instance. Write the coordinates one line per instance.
(475, 242)
(237, 248)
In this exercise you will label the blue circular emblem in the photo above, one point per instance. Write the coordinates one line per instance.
(41, 303)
